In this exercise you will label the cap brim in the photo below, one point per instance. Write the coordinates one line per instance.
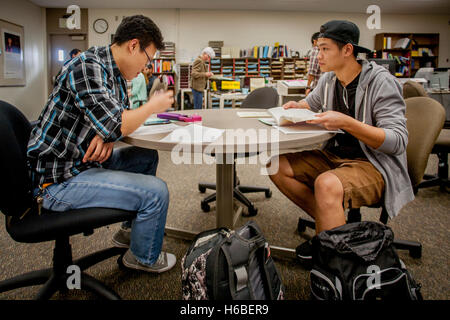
(362, 49)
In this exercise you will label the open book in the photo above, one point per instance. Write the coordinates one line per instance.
(285, 117)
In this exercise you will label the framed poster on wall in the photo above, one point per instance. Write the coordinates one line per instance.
(12, 57)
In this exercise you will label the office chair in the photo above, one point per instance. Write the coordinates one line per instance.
(24, 223)
(425, 119)
(441, 146)
(263, 98)
(413, 89)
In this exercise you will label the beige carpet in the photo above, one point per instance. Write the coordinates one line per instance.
(426, 219)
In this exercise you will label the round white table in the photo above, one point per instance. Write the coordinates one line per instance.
(238, 138)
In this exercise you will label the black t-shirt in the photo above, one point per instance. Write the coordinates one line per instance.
(346, 145)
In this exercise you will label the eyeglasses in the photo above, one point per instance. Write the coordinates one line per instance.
(149, 59)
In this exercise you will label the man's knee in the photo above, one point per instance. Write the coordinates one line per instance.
(157, 196)
(328, 187)
(162, 190)
(284, 168)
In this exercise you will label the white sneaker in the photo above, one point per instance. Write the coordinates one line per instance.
(165, 262)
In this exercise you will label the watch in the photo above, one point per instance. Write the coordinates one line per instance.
(100, 25)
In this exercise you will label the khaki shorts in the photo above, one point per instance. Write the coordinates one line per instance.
(363, 183)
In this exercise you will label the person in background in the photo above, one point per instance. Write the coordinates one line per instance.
(313, 65)
(149, 77)
(9, 45)
(74, 53)
(138, 94)
(200, 75)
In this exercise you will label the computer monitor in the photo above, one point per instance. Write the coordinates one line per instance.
(389, 64)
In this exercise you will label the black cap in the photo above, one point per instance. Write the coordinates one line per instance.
(342, 31)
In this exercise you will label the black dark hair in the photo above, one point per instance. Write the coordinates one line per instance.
(139, 27)
(315, 36)
(342, 44)
(73, 52)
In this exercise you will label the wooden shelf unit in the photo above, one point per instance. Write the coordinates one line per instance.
(277, 68)
(422, 49)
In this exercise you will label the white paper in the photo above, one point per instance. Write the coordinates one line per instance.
(193, 133)
(154, 129)
(253, 114)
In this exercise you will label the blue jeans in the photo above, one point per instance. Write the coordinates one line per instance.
(126, 182)
(198, 99)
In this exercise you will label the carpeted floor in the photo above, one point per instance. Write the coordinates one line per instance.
(426, 219)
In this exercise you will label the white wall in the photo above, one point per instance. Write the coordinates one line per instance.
(192, 29)
(165, 19)
(31, 98)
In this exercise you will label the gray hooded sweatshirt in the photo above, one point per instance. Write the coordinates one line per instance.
(379, 103)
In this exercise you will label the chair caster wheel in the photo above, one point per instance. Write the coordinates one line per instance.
(301, 226)
(205, 207)
(120, 263)
(268, 194)
(415, 253)
(201, 189)
(252, 211)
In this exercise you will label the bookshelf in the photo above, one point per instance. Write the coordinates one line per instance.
(277, 68)
(411, 50)
(164, 65)
(184, 75)
(301, 68)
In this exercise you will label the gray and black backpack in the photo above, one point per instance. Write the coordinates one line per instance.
(358, 261)
(223, 264)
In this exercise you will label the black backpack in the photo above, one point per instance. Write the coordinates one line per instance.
(358, 261)
(222, 264)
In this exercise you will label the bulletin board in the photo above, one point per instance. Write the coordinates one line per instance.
(12, 57)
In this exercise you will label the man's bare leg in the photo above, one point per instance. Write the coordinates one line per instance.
(324, 204)
(328, 193)
(296, 191)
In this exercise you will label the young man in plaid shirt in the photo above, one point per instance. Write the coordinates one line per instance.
(313, 66)
(71, 148)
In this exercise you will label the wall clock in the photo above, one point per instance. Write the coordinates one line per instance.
(100, 25)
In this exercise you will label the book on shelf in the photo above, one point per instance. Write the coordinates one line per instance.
(285, 117)
(387, 43)
(402, 43)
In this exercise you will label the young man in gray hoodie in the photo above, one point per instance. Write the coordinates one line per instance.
(367, 163)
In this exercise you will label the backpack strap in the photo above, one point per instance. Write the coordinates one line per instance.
(237, 254)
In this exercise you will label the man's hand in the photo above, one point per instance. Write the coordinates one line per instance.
(98, 150)
(291, 104)
(209, 74)
(302, 104)
(161, 101)
(331, 120)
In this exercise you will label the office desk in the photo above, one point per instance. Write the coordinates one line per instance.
(225, 148)
(189, 90)
(233, 96)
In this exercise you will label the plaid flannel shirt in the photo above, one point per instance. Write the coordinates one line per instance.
(88, 98)
(314, 67)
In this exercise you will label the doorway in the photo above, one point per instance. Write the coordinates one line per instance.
(60, 47)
